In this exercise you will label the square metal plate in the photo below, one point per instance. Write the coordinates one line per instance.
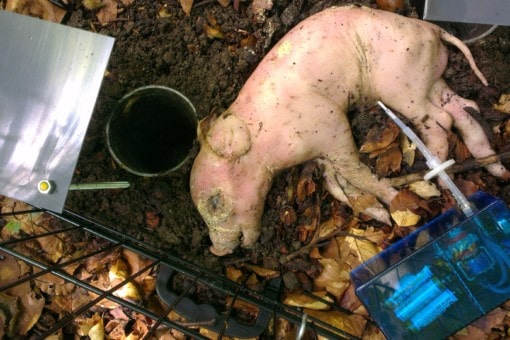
(50, 76)
(494, 12)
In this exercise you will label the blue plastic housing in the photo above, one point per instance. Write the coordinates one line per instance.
(441, 277)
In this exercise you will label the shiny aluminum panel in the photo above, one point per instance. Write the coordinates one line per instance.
(493, 12)
(50, 76)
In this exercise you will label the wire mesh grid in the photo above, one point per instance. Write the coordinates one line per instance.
(78, 231)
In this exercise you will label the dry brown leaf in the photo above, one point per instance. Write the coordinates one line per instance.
(362, 202)
(127, 2)
(334, 277)
(408, 149)
(53, 248)
(213, 32)
(493, 320)
(468, 188)
(9, 269)
(92, 327)
(460, 150)
(52, 284)
(234, 274)
(503, 104)
(352, 324)
(388, 162)
(263, 272)
(31, 309)
(363, 248)
(37, 8)
(380, 137)
(224, 3)
(424, 189)
(11, 311)
(407, 208)
(304, 301)
(186, 5)
(108, 12)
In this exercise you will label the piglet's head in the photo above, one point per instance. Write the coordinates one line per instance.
(216, 180)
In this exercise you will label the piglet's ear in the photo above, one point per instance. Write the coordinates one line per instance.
(228, 136)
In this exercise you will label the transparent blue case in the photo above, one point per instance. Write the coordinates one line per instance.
(441, 277)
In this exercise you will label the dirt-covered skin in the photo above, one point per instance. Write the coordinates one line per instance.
(294, 106)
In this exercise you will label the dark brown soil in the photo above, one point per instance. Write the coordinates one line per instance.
(175, 51)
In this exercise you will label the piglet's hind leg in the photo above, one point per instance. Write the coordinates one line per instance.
(472, 133)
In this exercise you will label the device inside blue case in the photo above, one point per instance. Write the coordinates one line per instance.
(441, 277)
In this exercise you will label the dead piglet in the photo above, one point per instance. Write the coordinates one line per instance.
(293, 109)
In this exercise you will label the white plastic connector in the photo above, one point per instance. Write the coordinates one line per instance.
(437, 168)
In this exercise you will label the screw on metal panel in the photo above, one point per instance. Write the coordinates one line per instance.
(45, 186)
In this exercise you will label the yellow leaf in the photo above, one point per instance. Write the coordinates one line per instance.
(363, 248)
(424, 189)
(408, 149)
(213, 32)
(334, 277)
(350, 323)
(405, 218)
(118, 270)
(503, 104)
(305, 301)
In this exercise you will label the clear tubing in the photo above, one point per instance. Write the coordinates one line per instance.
(432, 162)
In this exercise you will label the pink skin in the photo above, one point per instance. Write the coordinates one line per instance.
(293, 109)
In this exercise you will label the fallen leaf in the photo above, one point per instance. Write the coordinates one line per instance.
(31, 308)
(334, 277)
(363, 248)
(388, 162)
(405, 218)
(305, 186)
(186, 6)
(407, 208)
(108, 12)
(424, 189)
(503, 104)
(234, 274)
(37, 8)
(9, 269)
(93, 5)
(350, 323)
(459, 149)
(213, 32)
(305, 301)
(224, 3)
(380, 137)
(468, 188)
(408, 149)
(263, 272)
(11, 311)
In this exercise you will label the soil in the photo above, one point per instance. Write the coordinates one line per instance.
(176, 51)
